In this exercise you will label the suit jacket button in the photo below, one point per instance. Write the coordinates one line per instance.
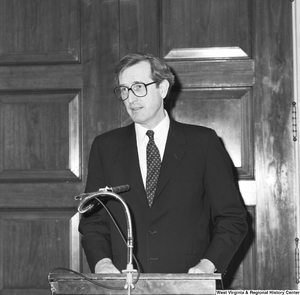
(152, 232)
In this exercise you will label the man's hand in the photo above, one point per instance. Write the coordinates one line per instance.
(105, 265)
(204, 266)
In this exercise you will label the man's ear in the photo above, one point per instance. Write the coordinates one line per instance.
(164, 87)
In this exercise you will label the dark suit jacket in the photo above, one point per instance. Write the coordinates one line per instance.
(197, 212)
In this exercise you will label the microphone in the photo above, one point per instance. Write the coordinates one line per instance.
(120, 189)
(87, 203)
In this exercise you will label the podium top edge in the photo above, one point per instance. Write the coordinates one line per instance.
(143, 276)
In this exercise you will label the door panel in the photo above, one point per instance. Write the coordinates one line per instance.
(30, 249)
(205, 24)
(39, 32)
(226, 110)
(41, 138)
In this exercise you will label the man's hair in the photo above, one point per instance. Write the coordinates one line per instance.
(159, 69)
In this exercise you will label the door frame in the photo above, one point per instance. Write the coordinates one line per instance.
(295, 117)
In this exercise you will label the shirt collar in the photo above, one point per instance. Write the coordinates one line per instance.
(160, 131)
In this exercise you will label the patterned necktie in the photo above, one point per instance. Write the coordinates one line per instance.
(153, 167)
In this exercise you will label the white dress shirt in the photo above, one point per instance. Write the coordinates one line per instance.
(160, 138)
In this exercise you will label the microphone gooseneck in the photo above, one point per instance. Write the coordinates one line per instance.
(86, 204)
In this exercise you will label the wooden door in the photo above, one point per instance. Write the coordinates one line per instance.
(56, 66)
(233, 66)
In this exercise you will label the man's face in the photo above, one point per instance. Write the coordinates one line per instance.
(147, 111)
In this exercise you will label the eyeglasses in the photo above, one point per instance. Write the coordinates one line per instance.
(138, 89)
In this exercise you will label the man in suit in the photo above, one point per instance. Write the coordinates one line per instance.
(195, 221)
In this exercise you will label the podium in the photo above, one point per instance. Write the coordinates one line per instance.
(147, 284)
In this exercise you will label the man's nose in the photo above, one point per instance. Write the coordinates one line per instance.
(132, 97)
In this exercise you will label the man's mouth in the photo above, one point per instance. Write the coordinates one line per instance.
(135, 109)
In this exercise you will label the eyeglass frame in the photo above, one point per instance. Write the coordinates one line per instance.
(130, 88)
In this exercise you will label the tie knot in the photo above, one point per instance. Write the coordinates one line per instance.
(150, 134)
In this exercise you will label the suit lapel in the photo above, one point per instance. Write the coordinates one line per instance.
(130, 162)
(174, 151)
